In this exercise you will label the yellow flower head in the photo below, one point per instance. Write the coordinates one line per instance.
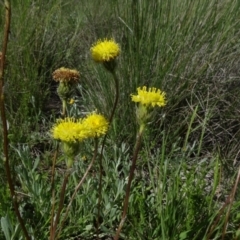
(96, 125)
(105, 50)
(66, 75)
(69, 130)
(150, 98)
(71, 101)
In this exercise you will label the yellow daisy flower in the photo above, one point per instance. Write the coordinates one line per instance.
(152, 97)
(66, 75)
(69, 130)
(96, 125)
(105, 50)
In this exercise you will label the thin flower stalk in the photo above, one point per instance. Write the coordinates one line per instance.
(4, 119)
(106, 52)
(77, 188)
(146, 99)
(53, 190)
(61, 201)
(64, 108)
(102, 148)
(130, 178)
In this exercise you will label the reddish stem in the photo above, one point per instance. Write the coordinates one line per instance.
(130, 178)
(4, 119)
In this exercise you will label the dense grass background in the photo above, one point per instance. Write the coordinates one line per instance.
(190, 154)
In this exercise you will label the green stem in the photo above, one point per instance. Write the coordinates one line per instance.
(78, 186)
(64, 107)
(130, 178)
(101, 154)
(4, 119)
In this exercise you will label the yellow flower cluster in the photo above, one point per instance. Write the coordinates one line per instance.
(72, 130)
(150, 98)
(105, 50)
(66, 75)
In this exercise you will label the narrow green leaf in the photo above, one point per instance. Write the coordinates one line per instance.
(6, 227)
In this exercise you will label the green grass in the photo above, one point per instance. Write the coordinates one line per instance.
(190, 152)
